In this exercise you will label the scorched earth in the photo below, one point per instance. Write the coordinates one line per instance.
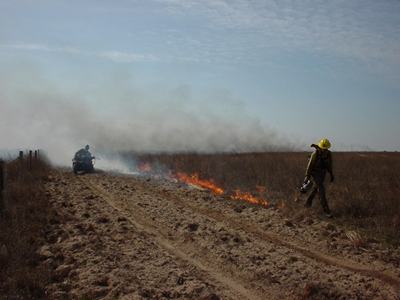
(132, 237)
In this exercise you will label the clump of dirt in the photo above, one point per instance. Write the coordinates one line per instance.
(126, 237)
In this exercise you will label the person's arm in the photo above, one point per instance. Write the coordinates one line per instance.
(310, 165)
(330, 167)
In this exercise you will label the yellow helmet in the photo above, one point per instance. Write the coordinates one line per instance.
(324, 144)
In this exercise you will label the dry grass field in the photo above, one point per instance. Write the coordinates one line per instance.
(364, 197)
(24, 215)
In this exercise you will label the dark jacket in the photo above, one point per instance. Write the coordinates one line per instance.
(320, 161)
(83, 154)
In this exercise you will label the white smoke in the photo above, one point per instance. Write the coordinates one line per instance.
(37, 114)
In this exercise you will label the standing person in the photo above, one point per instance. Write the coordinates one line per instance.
(320, 162)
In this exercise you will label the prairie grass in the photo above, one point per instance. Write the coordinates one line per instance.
(363, 197)
(23, 217)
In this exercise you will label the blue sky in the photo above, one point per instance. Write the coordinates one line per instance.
(207, 75)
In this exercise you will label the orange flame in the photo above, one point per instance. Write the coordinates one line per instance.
(260, 188)
(239, 195)
(144, 167)
(246, 196)
(282, 206)
(194, 179)
(262, 200)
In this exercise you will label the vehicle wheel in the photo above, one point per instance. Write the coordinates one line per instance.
(75, 169)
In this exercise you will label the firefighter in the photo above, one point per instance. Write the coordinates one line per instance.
(319, 163)
(83, 153)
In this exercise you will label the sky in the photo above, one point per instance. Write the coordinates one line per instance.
(199, 75)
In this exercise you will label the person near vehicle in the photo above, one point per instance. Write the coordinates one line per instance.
(319, 164)
(83, 153)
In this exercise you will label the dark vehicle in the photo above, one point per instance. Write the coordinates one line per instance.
(85, 164)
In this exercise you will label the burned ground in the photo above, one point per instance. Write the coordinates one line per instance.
(126, 237)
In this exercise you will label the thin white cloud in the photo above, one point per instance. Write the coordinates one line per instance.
(38, 47)
(360, 35)
(367, 32)
(27, 47)
(127, 57)
(68, 49)
(111, 55)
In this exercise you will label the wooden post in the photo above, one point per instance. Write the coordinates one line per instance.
(2, 185)
(30, 160)
(35, 161)
(21, 166)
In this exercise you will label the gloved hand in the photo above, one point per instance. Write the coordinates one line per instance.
(306, 179)
(332, 178)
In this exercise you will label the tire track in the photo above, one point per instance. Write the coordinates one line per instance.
(308, 252)
(311, 253)
(166, 237)
(161, 239)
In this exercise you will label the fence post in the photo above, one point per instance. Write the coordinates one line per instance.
(30, 160)
(1, 185)
(21, 166)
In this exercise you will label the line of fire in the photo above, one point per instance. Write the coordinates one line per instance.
(209, 184)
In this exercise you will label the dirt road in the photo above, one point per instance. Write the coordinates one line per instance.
(127, 237)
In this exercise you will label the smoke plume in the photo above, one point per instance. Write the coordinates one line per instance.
(37, 114)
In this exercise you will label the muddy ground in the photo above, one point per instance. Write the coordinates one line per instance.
(130, 237)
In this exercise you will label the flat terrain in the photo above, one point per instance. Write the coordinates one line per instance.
(127, 237)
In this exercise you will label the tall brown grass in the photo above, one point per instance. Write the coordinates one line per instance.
(364, 195)
(23, 218)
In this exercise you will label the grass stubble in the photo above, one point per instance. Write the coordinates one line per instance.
(24, 216)
(364, 200)
(365, 195)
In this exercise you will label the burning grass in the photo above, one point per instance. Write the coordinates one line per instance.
(23, 217)
(364, 196)
(194, 179)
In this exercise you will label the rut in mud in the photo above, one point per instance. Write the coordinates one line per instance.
(126, 237)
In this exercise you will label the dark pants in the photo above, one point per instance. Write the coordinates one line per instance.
(318, 177)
